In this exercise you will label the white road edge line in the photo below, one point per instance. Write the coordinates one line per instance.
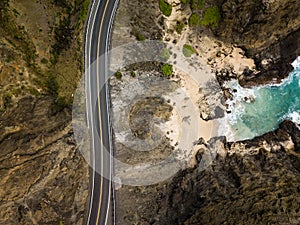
(90, 100)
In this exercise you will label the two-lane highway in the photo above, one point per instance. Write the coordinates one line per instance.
(97, 42)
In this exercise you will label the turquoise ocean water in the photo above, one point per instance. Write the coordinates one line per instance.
(258, 110)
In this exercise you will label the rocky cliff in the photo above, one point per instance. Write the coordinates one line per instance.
(268, 30)
(44, 178)
(249, 182)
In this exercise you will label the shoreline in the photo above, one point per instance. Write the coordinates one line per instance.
(236, 105)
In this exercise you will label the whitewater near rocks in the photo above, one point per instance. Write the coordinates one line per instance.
(255, 111)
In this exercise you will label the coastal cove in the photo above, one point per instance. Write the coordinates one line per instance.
(255, 111)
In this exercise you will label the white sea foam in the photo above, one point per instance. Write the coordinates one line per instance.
(295, 117)
(240, 95)
(225, 128)
(231, 126)
(236, 107)
(296, 63)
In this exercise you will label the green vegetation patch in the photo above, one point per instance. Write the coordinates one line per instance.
(165, 54)
(201, 4)
(167, 70)
(179, 27)
(118, 75)
(7, 100)
(52, 86)
(165, 7)
(211, 17)
(132, 74)
(15, 34)
(60, 102)
(184, 1)
(188, 50)
(44, 61)
(63, 37)
(33, 91)
(197, 4)
(138, 35)
(194, 19)
(84, 9)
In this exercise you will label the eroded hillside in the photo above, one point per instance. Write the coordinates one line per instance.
(44, 178)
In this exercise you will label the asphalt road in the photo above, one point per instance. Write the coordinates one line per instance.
(97, 44)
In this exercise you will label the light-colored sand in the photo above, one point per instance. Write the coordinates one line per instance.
(172, 127)
(192, 88)
(170, 22)
(213, 55)
(185, 125)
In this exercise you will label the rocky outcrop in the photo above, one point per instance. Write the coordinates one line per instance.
(144, 112)
(269, 32)
(258, 186)
(44, 178)
(140, 19)
(249, 182)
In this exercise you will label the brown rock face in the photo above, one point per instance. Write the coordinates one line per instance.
(144, 112)
(251, 182)
(256, 24)
(254, 182)
(44, 178)
(266, 29)
(259, 187)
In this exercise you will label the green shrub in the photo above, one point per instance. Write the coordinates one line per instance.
(140, 37)
(179, 27)
(188, 50)
(84, 9)
(133, 74)
(63, 35)
(16, 91)
(44, 61)
(167, 70)
(200, 4)
(16, 12)
(211, 17)
(197, 4)
(194, 19)
(118, 75)
(165, 54)
(52, 86)
(184, 1)
(165, 7)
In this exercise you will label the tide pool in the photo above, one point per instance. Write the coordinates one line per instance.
(258, 110)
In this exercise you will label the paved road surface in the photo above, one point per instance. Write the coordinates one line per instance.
(97, 43)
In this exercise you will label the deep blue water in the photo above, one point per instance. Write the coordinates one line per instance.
(259, 110)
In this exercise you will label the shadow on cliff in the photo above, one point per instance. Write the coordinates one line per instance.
(258, 186)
